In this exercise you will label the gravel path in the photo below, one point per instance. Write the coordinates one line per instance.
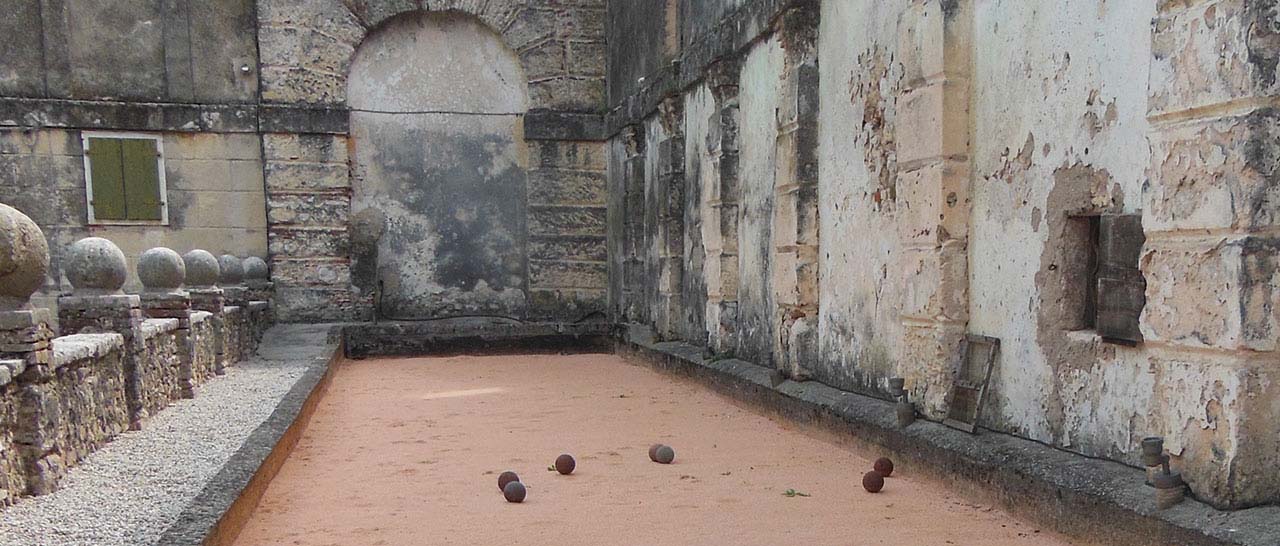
(131, 490)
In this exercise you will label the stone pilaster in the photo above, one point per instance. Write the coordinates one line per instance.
(795, 213)
(669, 228)
(932, 190)
(722, 243)
(1212, 254)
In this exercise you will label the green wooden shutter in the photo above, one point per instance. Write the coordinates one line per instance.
(107, 174)
(141, 179)
(1121, 287)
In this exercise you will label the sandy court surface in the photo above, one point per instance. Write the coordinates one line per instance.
(407, 452)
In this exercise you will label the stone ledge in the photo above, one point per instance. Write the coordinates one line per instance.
(68, 349)
(221, 510)
(1088, 498)
(156, 326)
(256, 306)
(474, 336)
(200, 316)
(10, 369)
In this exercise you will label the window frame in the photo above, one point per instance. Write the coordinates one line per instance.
(92, 218)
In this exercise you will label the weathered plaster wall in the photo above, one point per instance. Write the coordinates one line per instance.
(1060, 134)
(958, 145)
(759, 101)
(860, 259)
(214, 187)
(440, 168)
(152, 50)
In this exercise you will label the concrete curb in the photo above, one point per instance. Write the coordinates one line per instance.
(1082, 497)
(227, 502)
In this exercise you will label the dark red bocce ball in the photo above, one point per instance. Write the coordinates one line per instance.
(873, 482)
(506, 478)
(884, 466)
(565, 464)
(514, 492)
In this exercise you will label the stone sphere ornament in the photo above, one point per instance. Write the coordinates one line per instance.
(255, 269)
(231, 270)
(884, 466)
(873, 482)
(202, 268)
(506, 478)
(161, 270)
(24, 258)
(95, 265)
(565, 464)
(514, 492)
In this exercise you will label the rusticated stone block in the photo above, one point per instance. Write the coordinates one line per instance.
(1213, 293)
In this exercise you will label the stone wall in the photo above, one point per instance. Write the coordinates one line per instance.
(250, 98)
(935, 175)
(125, 357)
(159, 367)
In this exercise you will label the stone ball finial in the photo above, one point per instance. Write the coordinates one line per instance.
(232, 270)
(96, 266)
(255, 268)
(24, 258)
(161, 270)
(202, 268)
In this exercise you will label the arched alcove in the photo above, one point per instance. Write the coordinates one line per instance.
(439, 165)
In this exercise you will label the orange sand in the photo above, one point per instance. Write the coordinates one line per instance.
(408, 451)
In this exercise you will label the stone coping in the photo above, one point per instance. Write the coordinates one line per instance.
(474, 336)
(200, 316)
(76, 347)
(10, 369)
(1080, 496)
(259, 305)
(156, 326)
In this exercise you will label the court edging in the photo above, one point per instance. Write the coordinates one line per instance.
(224, 506)
(1092, 499)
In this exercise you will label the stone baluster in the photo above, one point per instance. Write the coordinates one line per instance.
(231, 280)
(203, 273)
(163, 272)
(258, 279)
(25, 332)
(97, 270)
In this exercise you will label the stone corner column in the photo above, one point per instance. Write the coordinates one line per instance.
(97, 270)
(163, 272)
(26, 344)
(203, 272)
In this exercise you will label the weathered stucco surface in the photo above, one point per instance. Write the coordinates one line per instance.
(440, 168)
(966, 152)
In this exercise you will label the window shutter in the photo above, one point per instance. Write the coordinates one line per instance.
(1121, 287)
(107, 174)
(141, 179)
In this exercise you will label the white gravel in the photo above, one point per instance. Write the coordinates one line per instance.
(131, 490)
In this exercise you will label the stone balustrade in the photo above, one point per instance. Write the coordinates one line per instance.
(121, 358)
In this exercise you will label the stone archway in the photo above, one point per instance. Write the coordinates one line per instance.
(439, 164)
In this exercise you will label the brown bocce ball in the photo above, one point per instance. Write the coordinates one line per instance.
(873, 482)
(506, 478)
(884, 466)
(565, 464)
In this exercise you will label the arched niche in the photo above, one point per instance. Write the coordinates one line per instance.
(439, 168)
